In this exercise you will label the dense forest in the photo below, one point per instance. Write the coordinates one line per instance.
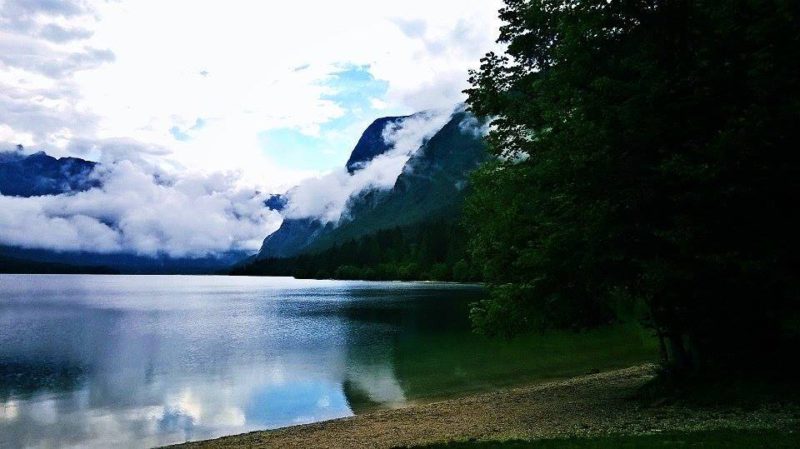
(646, 166)
(433, 250)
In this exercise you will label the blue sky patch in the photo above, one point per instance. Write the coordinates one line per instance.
(353, 88)
(294, 149)
(186, 134)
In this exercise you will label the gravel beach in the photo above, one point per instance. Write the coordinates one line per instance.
(588, 405)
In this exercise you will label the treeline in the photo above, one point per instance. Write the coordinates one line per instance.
(435, 250)
(13, 265)
(647, 165)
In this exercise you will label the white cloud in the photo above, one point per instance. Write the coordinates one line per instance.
(56, 33)
(326, 197)
(141, 211)
(138, 69)
(130, 80)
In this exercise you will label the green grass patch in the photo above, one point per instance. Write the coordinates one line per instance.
(717, 439)
(447, 364)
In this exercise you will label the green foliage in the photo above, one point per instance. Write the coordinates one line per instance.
(464, 271)
(440, 271)
(431, 250)
(647, 155)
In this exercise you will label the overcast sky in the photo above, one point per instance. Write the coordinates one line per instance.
(273, 91)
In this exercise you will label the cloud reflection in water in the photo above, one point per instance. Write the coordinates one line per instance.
(116, 361)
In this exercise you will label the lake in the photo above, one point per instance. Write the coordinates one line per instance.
(142, 361)
(139, 361)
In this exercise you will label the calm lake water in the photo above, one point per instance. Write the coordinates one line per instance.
(141, 361)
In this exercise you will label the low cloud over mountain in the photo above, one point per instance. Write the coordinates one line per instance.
(404, 170)
(326, 197)
(137, 209)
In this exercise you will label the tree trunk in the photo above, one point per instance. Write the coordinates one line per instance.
(662, 348)
(680, 361)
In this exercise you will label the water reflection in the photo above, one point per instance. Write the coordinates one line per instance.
(96, 361)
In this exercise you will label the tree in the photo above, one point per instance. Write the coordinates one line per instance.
(647, 153)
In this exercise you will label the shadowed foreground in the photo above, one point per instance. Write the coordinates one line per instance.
(589, 405)
(709, 439)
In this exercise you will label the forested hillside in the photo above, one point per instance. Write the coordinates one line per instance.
(411, 231)
(430, 250)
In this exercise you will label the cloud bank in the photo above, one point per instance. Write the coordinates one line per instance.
(142, 210)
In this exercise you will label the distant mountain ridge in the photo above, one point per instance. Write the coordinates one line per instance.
(22, 260)
(39, 174)
(431, 186)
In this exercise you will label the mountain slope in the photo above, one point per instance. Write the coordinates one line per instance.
(22, 260)
(295, 235)
(430, 188)
(292, 237)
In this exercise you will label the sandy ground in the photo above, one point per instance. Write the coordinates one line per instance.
(587, 405)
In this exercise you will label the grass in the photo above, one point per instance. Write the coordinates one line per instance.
(745, 390)
(445, 365)
(717, 439)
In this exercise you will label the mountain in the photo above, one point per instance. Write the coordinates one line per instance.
(22, 260)
(431, 188)
(276, 202)
(16, 265)
(417, 213)
(294, 236)
(40, 174)
(371, 143)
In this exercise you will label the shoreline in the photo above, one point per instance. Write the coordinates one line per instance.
(588, 405)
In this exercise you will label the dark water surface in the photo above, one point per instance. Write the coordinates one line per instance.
(140, 361)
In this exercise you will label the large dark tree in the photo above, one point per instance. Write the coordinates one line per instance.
(647, 161)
